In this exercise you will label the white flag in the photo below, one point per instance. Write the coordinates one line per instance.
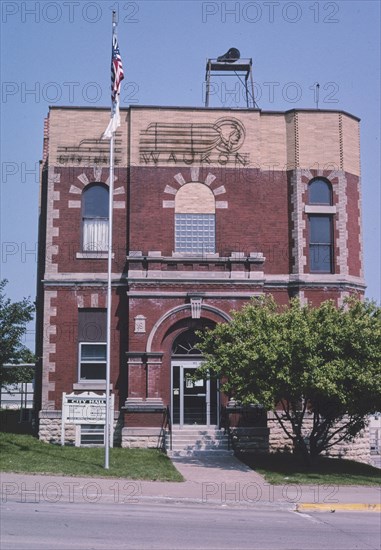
(114, 122)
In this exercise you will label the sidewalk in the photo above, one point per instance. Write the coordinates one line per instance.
(213, 481)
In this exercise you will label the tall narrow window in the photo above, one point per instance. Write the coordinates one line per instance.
(321, 244)
(92, 344)
(95, 218)
(320, 226)
(195, 231)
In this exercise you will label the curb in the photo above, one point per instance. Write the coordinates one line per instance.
(258, 505)
(344, 507)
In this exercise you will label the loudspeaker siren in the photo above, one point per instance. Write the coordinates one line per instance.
(230, 56)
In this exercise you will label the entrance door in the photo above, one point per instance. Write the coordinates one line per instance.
(193, 401)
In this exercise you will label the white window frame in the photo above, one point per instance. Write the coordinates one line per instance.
(94, 229)
(80, 362)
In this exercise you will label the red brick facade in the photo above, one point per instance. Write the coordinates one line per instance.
(258, 188)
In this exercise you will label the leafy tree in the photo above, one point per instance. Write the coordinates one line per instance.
(13, 324)
(318, 369)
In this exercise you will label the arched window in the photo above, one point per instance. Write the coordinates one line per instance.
(319, 192)
(320, 226)
(195, 231)
(186, 344)
(95, 217)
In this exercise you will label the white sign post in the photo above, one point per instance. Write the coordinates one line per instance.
(86, 408)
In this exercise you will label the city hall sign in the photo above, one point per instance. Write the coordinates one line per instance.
(206, 143)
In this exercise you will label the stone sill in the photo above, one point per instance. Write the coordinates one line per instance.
(143, 409)
(136, 432)
(254, 257)
(319, 209)
(85, 386)
(93, 255)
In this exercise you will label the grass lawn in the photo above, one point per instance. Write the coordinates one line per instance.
(279, 468)
(25, 453)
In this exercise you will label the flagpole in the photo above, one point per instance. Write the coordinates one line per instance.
(109, 281)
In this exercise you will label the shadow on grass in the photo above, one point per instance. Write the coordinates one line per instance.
(276, 467)
(43, 451)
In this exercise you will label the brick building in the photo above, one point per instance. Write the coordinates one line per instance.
(211, 208)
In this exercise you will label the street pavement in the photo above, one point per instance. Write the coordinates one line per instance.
(209, 480)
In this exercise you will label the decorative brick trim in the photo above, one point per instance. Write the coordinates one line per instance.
(360, 225)
(45, 154)
(341, 225)
(195, 171)
(179, 178)
(95, 299)
(219, 190)
(209, 179)
(302, 298)
(52, 214)
(299, 225)
(341, 298)
(83, 179)
(296, 137)
(341, 142)
(48, 362)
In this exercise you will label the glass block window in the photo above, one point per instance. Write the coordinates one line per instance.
(195, 233)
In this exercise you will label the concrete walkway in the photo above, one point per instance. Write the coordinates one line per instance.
(213, 481)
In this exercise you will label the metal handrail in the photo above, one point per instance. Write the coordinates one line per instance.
(225, 424)
(167, 423)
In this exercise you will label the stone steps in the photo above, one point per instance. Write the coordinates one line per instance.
(194, 440)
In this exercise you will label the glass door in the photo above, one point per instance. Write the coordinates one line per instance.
(193, 401)
(194, 398)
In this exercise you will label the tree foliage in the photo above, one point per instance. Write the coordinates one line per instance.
(319, 369)
(13, 324)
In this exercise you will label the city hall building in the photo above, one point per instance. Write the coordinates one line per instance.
(211, 207)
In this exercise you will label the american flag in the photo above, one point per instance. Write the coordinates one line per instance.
(117, 73)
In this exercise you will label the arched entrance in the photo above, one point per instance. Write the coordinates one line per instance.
(192, 401)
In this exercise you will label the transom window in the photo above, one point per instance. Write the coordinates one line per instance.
(186, 344)
(95, 218)
(195, 233)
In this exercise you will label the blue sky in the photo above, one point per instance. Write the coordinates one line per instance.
(58, 53)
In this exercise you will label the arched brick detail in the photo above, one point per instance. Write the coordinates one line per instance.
(173, 316)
